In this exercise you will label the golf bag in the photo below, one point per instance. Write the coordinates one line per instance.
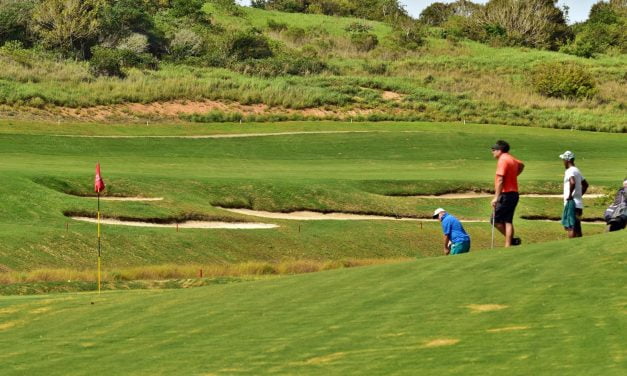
(617, 212)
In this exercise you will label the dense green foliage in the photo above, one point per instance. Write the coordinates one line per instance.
(603, 32)
(546, 309)
(563, 80)
(379, 10)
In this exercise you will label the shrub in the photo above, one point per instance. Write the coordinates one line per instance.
(137, 43)
(364, 41)
(376, 68)
(409, 35)
(185, 43)
(106, 62)
(191, 9)
(14, 17)
(110, 61)
(358, 27)
(122, 17)
(281, 66)
(295, 34)
(16, 51)
(563, 80)
(70, 25)
(249, 45)
(532, 23)
(277, 26)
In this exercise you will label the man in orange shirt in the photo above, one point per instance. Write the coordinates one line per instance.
(505, 191)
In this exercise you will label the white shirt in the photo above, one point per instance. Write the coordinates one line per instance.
(573, 172)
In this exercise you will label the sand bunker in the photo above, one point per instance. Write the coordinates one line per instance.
(507, 329)
(466, 195)
(130, 198)
(441, 342)
(188, 224)
(477, 308)
(317, 216)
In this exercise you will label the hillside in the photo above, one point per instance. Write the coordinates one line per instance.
(260, 65)
(387, 169)
(554, 308)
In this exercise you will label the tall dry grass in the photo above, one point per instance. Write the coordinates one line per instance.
(173, 271)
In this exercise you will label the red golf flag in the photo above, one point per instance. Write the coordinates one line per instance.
(99, 184)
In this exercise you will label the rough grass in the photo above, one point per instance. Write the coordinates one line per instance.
(188, 271)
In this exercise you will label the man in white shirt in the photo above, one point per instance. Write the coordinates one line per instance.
(575, 186)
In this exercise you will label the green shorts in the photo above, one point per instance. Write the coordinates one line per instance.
(457, 248)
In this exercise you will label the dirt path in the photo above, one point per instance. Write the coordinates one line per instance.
(317, 216)
(188, 224)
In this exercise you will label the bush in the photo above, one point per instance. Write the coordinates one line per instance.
(376, 68)
(191, 9)
(409, 35)
(563, 80)
(295, 34)
(14, 17)
(364, 41)
(357, 27)
(281, 66)
(110, 61)
(249, 45)
(185, 43)
(137, 43)
(106, 62)
(277, 26)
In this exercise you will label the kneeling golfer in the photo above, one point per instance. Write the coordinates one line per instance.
(456, 240)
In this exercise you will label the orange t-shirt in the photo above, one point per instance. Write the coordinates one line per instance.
(507, 167)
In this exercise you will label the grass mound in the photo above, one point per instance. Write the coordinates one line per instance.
(546, 309)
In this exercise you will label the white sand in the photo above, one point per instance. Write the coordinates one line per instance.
(188, 224)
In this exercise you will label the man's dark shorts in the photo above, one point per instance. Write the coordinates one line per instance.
(505, 206)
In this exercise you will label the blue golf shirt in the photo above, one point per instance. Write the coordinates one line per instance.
(453, 228)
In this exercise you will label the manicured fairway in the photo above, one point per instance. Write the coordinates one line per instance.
(368, 170)
(557, 308)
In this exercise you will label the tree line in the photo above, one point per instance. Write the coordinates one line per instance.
(533, 23)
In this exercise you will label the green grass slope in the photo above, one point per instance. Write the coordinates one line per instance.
(552, 309)
(370, 172)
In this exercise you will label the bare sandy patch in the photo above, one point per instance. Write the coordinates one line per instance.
(336, 216)
(188, 224)
(392, 96)
(8, 325)
(8, 310)
(478, 308)
(40, 310)
(507, 329)
(326, 358)
(441, 342)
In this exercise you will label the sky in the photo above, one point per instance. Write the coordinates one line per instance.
(579, 9)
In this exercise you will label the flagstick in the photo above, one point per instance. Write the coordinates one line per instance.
(98, 243)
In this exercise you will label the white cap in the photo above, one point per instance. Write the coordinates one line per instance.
(568, 155)
(437, 212)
